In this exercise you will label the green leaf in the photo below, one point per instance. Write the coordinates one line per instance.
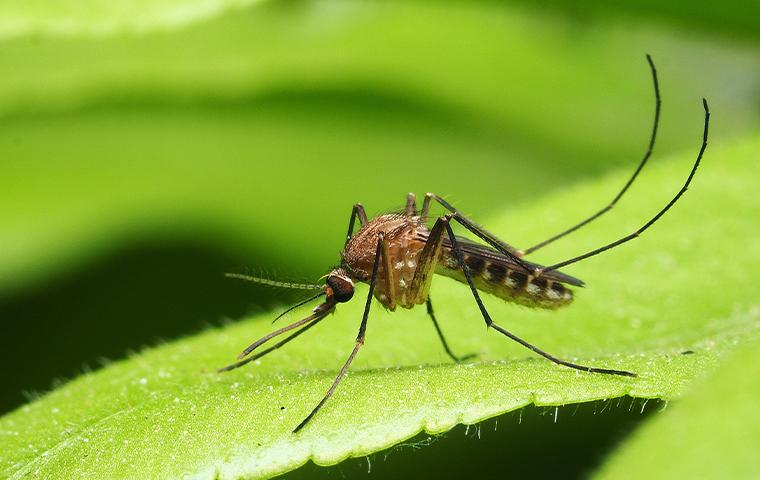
(87, 17)
(731, 20)
(159, 414)
(193, 132)
(712, 433)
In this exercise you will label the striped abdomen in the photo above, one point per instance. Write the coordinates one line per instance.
(506, 280)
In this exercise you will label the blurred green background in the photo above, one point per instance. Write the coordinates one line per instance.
(146, 149)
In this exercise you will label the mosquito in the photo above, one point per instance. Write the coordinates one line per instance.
(397, 255)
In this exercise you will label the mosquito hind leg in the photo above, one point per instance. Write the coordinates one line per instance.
(359, 337)
(490, 322)
(456, 358)
(503, 247)
(654, 219)
(647, 154)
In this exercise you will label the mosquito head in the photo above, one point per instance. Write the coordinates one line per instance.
(340, 287)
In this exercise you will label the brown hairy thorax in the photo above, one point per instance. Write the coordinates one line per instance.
(402, 234)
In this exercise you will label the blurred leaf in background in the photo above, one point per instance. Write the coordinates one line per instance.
(658, 449)
(146, 149)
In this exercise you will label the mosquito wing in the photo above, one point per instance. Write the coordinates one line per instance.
(494, 256)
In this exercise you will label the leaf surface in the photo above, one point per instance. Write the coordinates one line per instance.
(158, 414)
(712, 433)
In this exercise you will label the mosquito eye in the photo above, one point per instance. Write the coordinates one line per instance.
(342, 288)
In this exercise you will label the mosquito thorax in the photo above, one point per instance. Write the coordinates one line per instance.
(339, 287)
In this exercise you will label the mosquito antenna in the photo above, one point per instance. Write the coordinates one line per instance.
(274, 283)
(658, 215)
(647, 154)
(299, 304)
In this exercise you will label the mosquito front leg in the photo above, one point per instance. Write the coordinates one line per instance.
(357, 211)
(359, 337)
(490, 322)
(389, 282)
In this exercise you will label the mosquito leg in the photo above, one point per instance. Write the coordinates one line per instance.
(627, 185)
(476, 229)
(359, 337)
(270, 349)
(423, 275)
(443, 339)
(357, 211)
(490, 323)
(411, 205)
(426, 262)
(389, 280)
(658, 215)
